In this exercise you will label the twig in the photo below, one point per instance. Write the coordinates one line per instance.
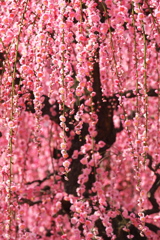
(40, 181)
(29, 202)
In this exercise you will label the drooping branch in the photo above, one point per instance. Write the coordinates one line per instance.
(106, 132)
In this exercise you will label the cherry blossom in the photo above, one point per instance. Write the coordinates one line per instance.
(79, 119)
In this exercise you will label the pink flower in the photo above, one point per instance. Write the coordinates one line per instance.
(109, 231)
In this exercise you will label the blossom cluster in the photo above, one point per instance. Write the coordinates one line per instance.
(62, 63)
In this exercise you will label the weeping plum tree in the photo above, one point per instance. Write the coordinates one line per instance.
(80, 119)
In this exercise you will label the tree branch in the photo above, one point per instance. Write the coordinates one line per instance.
(155, 206)
(151, 198)
(131, 94)
(40, 181)
(28, 201)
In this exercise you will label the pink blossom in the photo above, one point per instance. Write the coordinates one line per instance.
(79, 118)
